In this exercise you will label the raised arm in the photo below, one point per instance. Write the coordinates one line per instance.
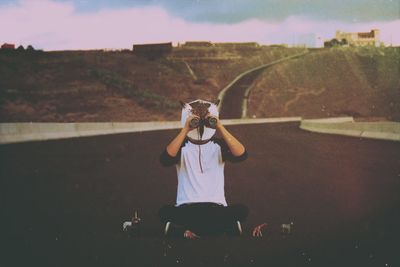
(173, 147)
(236, 148)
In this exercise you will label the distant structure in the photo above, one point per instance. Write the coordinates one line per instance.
(7, 46)
(152, 51)
(224, 45)
(371, 38)
(238, 45)
(279, 45)
(198, 44)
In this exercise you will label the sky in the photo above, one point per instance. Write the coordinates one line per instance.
(118, 24)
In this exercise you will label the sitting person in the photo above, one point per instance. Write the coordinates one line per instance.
(201, 207)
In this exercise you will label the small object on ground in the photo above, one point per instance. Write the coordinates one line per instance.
(136, 220)
(257, 231)
(132, 226)
(287, 228)
(166, 229)
(126, 226)
(190, 235)
(239, 227)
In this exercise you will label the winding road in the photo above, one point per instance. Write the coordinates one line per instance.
(234, 96)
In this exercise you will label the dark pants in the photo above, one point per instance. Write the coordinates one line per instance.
(204, 218)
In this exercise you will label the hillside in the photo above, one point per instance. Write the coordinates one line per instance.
(117, 86)
(74, 86)
(359, 82)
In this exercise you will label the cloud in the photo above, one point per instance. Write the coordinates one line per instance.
(235, 11)
(54, 25)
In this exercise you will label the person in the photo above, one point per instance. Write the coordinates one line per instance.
(199, 156)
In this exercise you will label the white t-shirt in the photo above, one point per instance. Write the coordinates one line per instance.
(200, 171)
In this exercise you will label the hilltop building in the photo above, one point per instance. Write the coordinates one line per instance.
(198, 44)
(238, 45)
(360, 38)
(152, 51)
(224, 45)
(8, 46)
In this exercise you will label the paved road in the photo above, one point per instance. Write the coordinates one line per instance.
(63, 202)
(232, 104)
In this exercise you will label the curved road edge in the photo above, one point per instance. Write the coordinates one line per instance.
(348, 127)
(25, 132)
(223, 92)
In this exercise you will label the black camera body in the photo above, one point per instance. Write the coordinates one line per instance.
(209, 122)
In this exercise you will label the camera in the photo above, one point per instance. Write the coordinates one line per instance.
(209, 122)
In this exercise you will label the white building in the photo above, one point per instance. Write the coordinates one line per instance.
(360, 38)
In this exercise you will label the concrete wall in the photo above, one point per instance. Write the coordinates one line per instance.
(347, 126)
(23, 132)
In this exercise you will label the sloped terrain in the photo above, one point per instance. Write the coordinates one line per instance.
(359, 82)
(83, 86)
(117, 86)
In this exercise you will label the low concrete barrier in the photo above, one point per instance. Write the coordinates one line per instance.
(347, 126)
(260, 120)
(23, 132)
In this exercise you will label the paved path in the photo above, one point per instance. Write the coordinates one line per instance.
(63, 201)
(234, 96)
(232, 104)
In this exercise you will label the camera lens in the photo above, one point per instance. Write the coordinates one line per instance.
(212, 122)
(194, 123)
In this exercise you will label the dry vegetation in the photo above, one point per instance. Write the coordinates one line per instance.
(119, 86)
(359, 82)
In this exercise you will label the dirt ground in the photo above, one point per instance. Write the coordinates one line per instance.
(63, 202)
(93, 86)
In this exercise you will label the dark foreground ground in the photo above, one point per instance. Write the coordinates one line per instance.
(63, 202)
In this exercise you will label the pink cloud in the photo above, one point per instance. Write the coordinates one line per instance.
(57, 26)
